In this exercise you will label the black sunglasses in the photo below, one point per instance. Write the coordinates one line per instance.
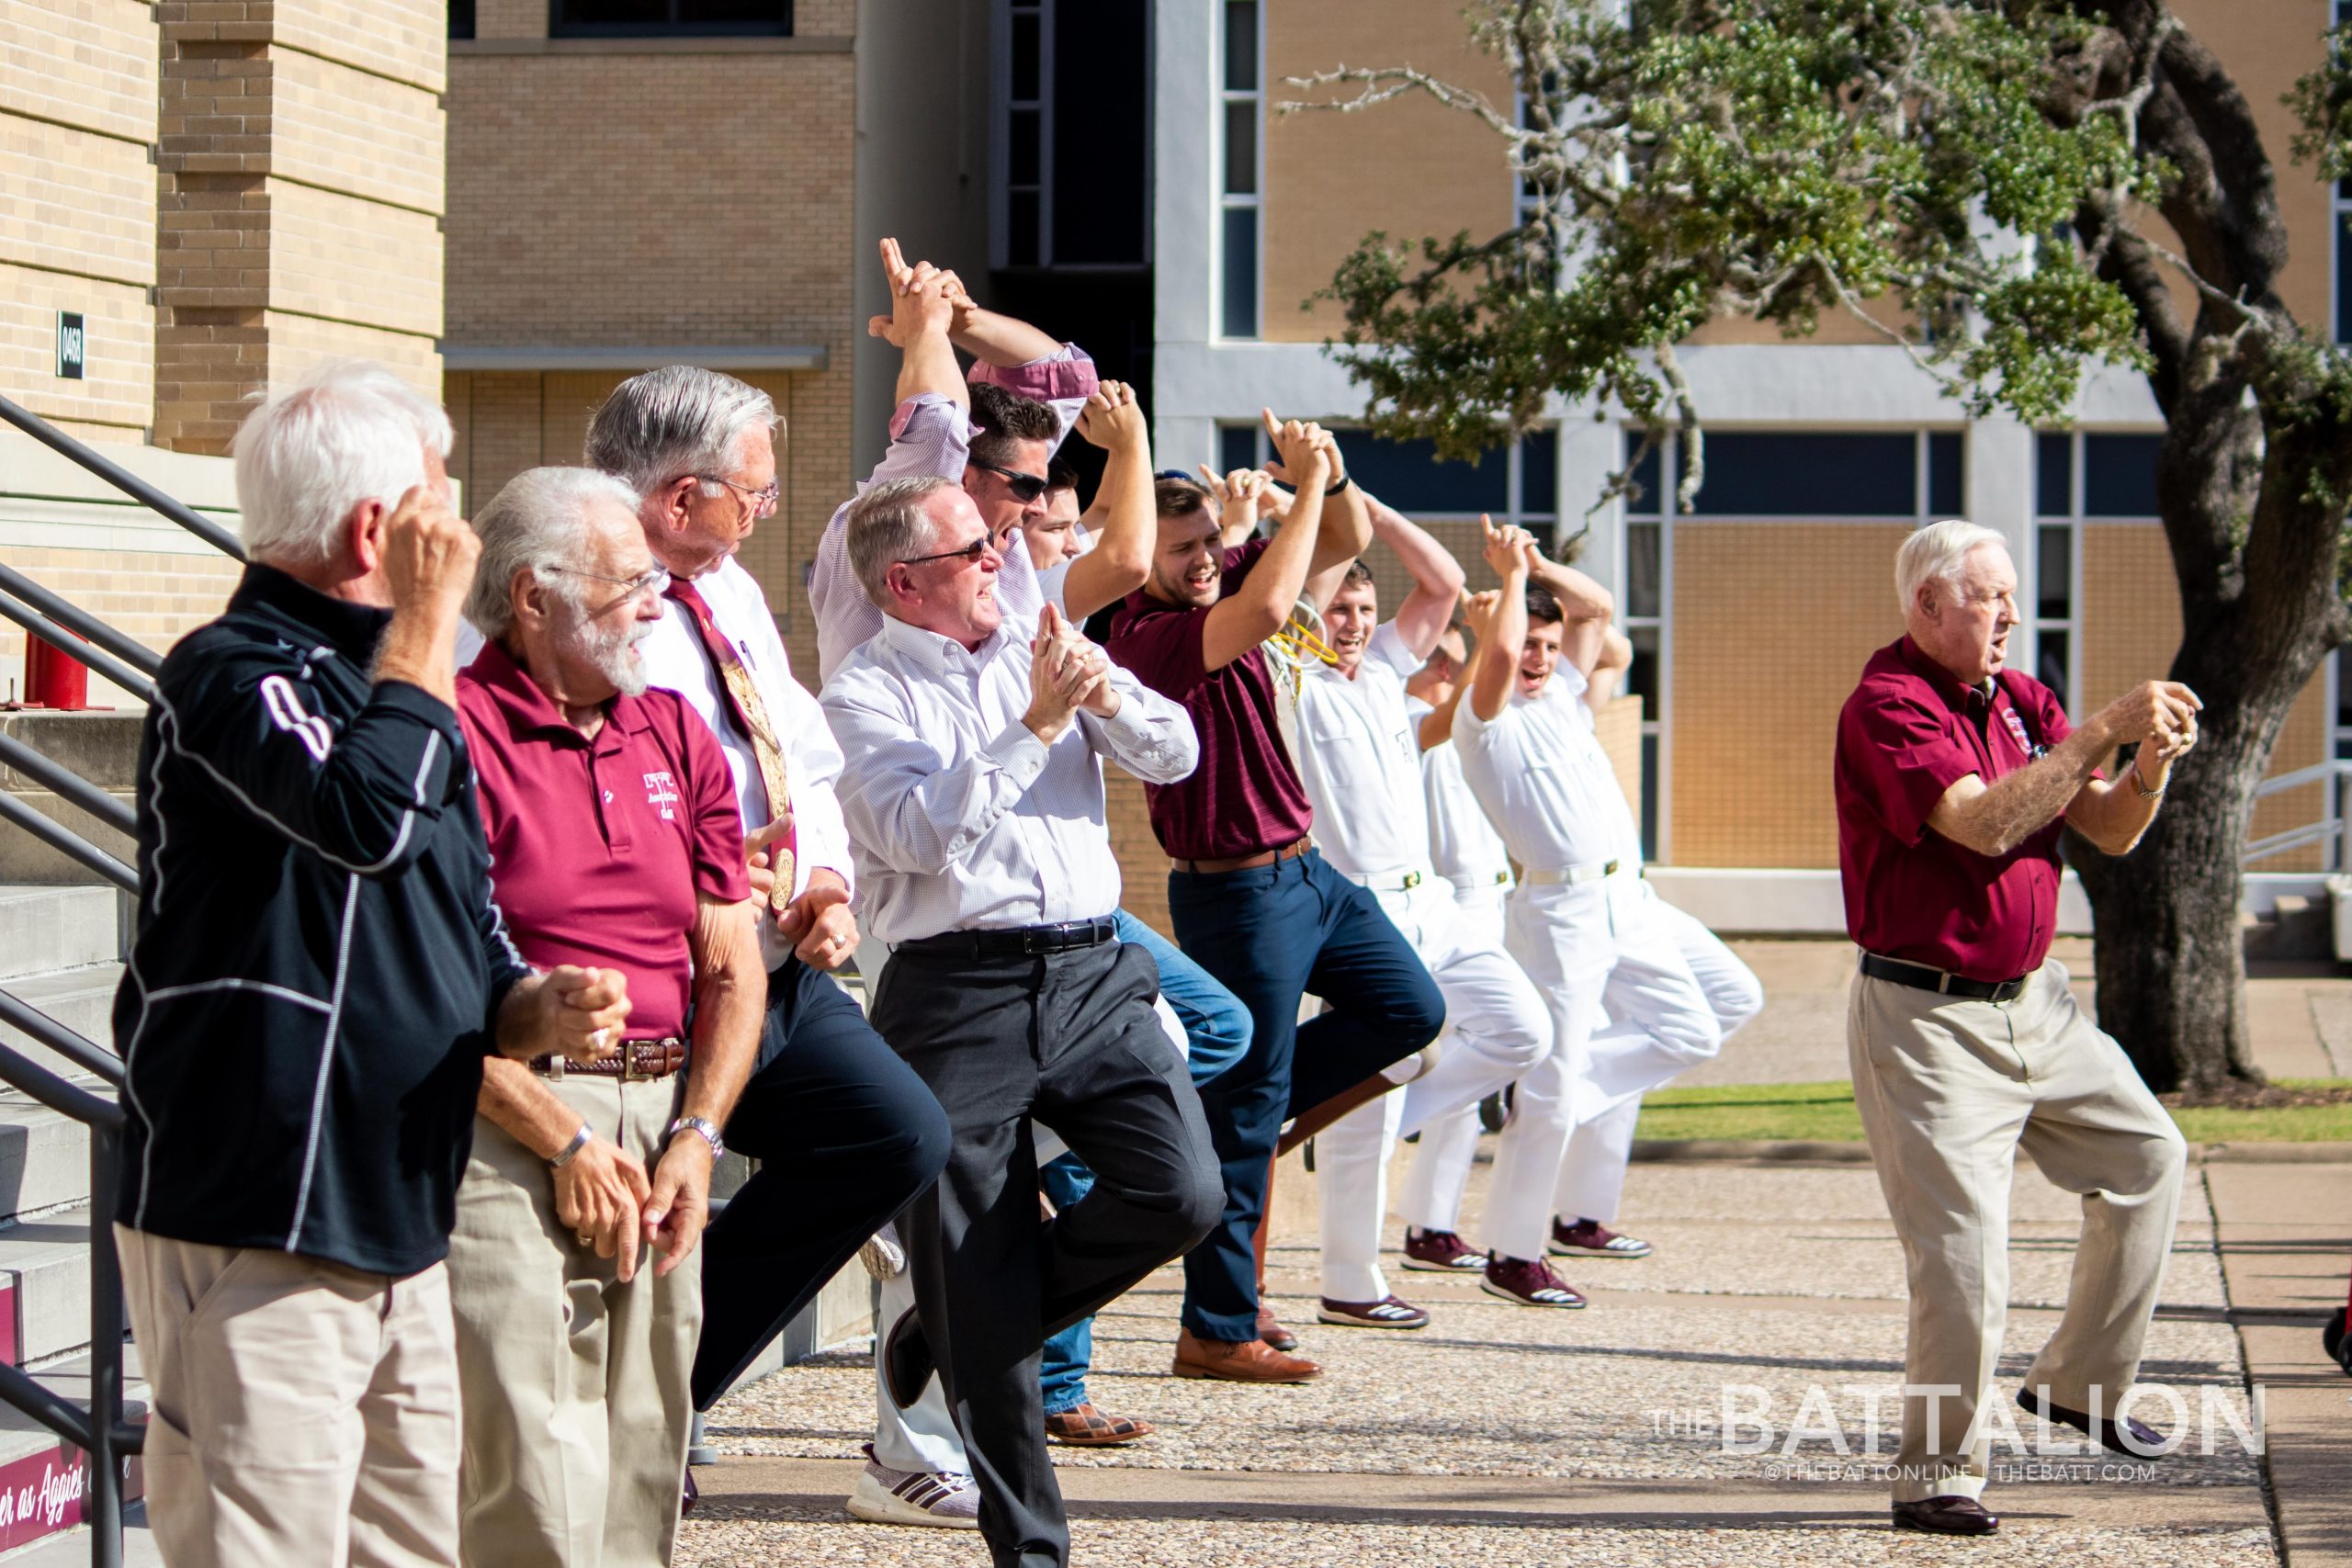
(966, 553)
(1025, 488)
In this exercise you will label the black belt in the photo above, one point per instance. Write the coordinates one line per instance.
(1921, 976)
(1019, 941)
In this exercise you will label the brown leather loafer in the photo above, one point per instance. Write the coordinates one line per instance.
(1084, 1426)
(1946, 1515)
(1247, 1360)
(1273, 1333)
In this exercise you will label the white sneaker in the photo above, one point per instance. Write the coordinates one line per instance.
(884, 1257)
(939, 1498)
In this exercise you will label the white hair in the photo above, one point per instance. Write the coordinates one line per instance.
(348, 433)
(1935, 554)
(539, 522)
(679, 420)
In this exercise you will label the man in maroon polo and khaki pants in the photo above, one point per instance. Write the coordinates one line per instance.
(1954, 779)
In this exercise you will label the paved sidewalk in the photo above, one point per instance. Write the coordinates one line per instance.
(1503, 1436)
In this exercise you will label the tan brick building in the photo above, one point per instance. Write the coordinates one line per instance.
(1753, 615)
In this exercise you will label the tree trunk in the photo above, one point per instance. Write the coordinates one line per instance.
(2166, 942)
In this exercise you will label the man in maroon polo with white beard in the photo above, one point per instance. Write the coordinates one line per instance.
(615, 842)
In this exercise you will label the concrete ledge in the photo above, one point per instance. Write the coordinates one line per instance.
(1814, 1151)
(530, 358)
(1740, 901)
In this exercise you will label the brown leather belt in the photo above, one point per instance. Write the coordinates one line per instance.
(636, 1061)
(1243, 862)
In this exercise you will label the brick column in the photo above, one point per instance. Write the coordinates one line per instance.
(301, 161)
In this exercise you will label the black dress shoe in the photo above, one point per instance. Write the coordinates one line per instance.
(2146, 1441)
(1946, 1515)
(906, 1361)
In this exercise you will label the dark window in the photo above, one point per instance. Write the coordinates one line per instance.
(1237, 447)
(1756, 474)
(1539, 473)
(1947, 474)
(1020, 228)
(624, 18)
(1649, 480)
(1240, 271)
(2119, 476)
(461, 18)
(2344, 688)
(1649, 796)
(1028, 78)
(1643, 568)
(2053, 572)
(2343, 275)
(1240, 46)
(2054, 474)
(2050, 667)
(1023, 157)
(1408, 475)
(1240, 147)
(1099, 175)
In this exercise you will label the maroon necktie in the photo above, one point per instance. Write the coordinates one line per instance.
(750, 716)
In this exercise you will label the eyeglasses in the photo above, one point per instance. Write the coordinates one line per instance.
(763, 501)
(966, 553)
(654, 581)
(1025, 488)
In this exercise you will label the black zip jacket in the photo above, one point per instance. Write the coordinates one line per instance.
(318, 961)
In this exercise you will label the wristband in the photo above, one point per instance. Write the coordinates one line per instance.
(570, 1151)
(1335, 486)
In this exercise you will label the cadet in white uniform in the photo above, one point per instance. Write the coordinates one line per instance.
(1580, 922)
(1361, 765)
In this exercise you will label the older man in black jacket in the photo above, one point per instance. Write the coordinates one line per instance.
(318, 973)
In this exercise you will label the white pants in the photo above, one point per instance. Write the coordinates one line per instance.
(924, 1436)
(1599, 953)
(1496, 1029)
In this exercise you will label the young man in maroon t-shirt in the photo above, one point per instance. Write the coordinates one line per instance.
(1252, 901)
(1954, 779)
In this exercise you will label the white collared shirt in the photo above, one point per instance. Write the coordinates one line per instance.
(1464, 845)
(960, 818)
(1538, 770)
(1360, 764)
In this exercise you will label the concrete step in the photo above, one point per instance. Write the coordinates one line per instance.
(25, 858)
(43, 928)
(44, 1159)
(42, 1478)
(70, 1548)
(81, 1000)
(45, 1287)
(102, 748)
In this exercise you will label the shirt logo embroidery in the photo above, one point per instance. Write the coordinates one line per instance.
(661, 790)
(2016, 729)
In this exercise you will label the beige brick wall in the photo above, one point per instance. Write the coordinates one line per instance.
(154, 597)
(77, 207)
(1410, 168)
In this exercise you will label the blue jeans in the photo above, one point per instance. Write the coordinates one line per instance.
(1271, 933)
(1216, 1030)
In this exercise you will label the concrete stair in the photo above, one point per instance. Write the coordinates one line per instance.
(58, 953)
(102, 748)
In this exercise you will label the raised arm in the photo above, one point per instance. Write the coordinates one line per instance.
(1422, 619)
(1505, 632)
(1995, 818)
(993, 338)
(1128, 516)
(922, 310)
(1602, 680)
(1256, 610)
(1346, 530)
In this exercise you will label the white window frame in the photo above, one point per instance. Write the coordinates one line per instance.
(1226, 202)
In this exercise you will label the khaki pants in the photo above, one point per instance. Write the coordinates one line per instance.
(303, 1414)
(577, 1385)
(1948, 1090)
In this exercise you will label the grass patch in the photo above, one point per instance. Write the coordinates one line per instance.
(1825, 1112)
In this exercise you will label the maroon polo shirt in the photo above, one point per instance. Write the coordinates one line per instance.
(1244, 797)
(1910, 732)
(599, 846)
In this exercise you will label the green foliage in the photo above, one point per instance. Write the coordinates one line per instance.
(1769, 159)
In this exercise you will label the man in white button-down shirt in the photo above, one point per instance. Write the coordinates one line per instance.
(844, 1133)
(1360, 760)
(1579, 922)
(975, 800)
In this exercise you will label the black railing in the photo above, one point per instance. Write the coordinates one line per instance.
(99, 1428)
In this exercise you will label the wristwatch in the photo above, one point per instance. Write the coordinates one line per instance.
(709, 1130)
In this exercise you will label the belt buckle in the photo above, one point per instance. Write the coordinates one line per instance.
(1609, 868)
(629, 1060)
(1412, 880)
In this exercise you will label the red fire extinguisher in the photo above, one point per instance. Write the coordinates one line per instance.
(54, 678)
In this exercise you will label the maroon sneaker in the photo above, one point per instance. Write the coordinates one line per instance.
(1528, 1282)
(1590, 1239)
(1388, 1312)
(1439, 1251)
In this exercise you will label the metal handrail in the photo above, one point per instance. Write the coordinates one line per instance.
(63, 781)
(81, 624)
(84, 1054)
(122, 478)
(2333, 825)
(68, 843)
